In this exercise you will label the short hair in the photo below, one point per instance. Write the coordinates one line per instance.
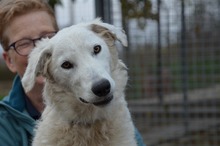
(9, 9)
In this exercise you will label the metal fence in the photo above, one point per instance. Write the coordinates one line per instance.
(174, 68)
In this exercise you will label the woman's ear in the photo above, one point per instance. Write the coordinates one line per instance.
(9, 62)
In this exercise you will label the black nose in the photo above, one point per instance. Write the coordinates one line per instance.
(101, 88)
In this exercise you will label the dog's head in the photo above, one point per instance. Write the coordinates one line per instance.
(78, 60)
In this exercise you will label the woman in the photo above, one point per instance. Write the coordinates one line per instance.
(23, 22)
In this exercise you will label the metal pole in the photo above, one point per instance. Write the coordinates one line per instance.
(159, 58)
(103, 10)
(168, 35)
(71, 12)
(184, 66)
(125, 25)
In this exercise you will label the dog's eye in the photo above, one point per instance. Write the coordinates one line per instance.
(67, 65)
(97, 49)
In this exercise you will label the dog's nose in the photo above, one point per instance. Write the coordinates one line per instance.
(101, 88)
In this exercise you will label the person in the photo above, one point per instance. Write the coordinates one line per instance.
(22, 23)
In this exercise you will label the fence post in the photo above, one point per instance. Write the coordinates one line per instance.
(184, 66)
(159, 58)
(103, 10)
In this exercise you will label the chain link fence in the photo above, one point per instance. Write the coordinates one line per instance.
(174, 68)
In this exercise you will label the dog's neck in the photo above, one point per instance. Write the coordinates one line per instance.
(81, 124)
(87, 124)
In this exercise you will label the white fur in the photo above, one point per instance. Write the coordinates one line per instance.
(67, 120)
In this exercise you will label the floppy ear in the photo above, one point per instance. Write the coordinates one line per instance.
(109, 31)
(37, 64)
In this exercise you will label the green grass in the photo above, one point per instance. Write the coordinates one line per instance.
(5, 86)
(200, 73)
(1, 97)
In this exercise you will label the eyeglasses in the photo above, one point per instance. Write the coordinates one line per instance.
(23, 47)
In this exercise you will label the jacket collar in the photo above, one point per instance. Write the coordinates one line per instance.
(16, 97)
(14, 103)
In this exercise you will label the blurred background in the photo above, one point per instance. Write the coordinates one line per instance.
(174, 64)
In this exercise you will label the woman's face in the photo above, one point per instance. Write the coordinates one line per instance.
(31, 25)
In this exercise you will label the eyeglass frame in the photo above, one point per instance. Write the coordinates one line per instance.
(12, 45)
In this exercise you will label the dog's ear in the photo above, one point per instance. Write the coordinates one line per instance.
(37, 64)
(109, 31)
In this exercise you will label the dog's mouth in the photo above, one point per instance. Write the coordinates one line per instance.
(103, 102)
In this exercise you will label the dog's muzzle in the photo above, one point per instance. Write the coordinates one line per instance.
(101, 89)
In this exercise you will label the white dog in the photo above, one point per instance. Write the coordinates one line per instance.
(84, 88)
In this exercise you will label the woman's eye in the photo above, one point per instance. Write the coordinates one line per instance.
(97, 49)
(67, 65)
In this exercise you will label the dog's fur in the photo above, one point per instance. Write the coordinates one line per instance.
(77, 62)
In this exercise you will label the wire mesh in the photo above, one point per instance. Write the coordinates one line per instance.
(174, 69)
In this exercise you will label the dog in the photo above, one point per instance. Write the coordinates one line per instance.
(84, 87)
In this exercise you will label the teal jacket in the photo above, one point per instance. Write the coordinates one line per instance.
(16, 125)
